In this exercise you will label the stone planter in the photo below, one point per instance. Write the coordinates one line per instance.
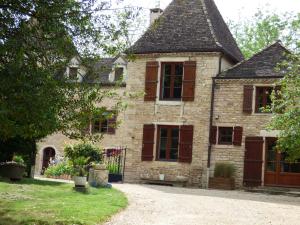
(221, 183)
(12, 170)
(98, 176)
(79, 181)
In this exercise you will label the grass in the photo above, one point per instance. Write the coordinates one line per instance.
(45, 203)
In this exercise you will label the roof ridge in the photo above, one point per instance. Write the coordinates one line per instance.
(210, 26)
(256, 54)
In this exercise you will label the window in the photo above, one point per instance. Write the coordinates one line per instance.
(73, 73)
(100, 126)
(168, 143)
(171, 81)
(119, 73)
(263, 98)
(225, 135)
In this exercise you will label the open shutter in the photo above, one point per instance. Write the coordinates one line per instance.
(186, 144)
(148, 142)
(213, 135)
(248, 98)
(189, 81)
(237, 136)
(112, 123)
(151, 81)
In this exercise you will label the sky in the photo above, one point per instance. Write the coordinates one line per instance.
(234, 9)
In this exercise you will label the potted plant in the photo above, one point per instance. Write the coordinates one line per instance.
(223, 177)
(14, 169)
(80, 171)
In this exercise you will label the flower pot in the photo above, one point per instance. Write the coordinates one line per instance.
(222, 183)
(161, 177)
(12, 170)
(79, 181)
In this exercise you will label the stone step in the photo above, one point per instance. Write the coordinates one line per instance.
(294, 192)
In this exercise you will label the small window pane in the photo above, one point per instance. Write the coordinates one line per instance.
(178, 69)
(174, 153)
(163, 132)
(118, 73)
(167, 70)
(73, 73)
(225, 135)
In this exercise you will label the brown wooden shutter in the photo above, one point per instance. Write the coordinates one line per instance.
(148, 142)
(237, 136)
(213, 135)
(248, 98)
(112, 123)
(186, 144)
(189, 81)
(151, 81)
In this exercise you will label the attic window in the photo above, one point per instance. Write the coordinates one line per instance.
(73, 71)
(119, 73)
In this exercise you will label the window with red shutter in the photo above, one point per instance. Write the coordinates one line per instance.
(213, 135)
(151, 81)
(105, 126)
(263, 99)
(237, 136)
(167, 143)
(225, 135)
(186, 144)
(189, 81)
(248, 98)
(148, 142)
(111, 125)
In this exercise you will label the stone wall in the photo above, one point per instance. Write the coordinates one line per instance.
(195, 113)
(228, 112)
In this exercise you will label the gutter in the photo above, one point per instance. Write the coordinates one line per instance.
(211, 119)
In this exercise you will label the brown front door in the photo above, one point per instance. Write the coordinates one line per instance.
(253, 161)
(47, 155)
(279, 171)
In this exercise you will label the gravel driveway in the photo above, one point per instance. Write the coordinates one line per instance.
(158, 205)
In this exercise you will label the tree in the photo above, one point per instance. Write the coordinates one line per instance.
(37, 40)
(264, 29)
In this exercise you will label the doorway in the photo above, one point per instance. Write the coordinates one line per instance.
(48, 153)
(278, 170)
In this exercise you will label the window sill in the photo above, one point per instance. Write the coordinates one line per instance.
(162, 160)
(175, 103)
(222, 146)
(261, 114)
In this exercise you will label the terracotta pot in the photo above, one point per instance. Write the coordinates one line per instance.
(79, 181)
(221, 183)
(12, 170)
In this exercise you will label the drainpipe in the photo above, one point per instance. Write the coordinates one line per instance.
(211, 119)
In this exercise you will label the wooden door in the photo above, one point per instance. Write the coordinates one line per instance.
(278, 170)
(253, 161)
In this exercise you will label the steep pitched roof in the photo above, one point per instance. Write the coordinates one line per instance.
(261, 64)
(189, 26)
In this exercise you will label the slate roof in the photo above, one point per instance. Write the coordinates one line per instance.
(261, 65)
(189, 26)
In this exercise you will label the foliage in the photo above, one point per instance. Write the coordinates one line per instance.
(56, 203)
(286, 108)
(37, 40)
(264, 29)
(18, 159)
(113, 167)
(225, 170)
(61, 168)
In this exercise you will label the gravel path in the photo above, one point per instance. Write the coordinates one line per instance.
(158, 205)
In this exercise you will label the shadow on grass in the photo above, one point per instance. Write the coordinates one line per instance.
(28, 181)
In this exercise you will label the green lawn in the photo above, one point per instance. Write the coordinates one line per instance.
(42, 202)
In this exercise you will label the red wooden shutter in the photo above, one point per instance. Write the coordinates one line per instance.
(248, 98)
(148, 142)
(151, 81)
(237, 136)
(189, 81)
(213, 135)
(112, 123)
(186, 144)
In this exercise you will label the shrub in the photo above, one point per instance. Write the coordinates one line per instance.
(18, 159)
(225, 170)
(63, 168)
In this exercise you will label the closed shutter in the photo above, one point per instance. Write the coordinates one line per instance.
(189, 81)
(148, 142)
(151, 81)
(186, 144)
(213, 135)
(237, 136)
(112, 123)
(248, 98)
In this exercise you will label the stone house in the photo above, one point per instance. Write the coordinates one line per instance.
(202, 103)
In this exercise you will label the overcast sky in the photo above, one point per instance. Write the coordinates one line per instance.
(234, 9)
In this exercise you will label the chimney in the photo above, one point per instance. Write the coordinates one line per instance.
(154, 14)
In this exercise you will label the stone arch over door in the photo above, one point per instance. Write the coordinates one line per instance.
(48, 153)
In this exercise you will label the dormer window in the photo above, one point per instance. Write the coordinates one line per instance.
(73, 71)
(119, 71)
